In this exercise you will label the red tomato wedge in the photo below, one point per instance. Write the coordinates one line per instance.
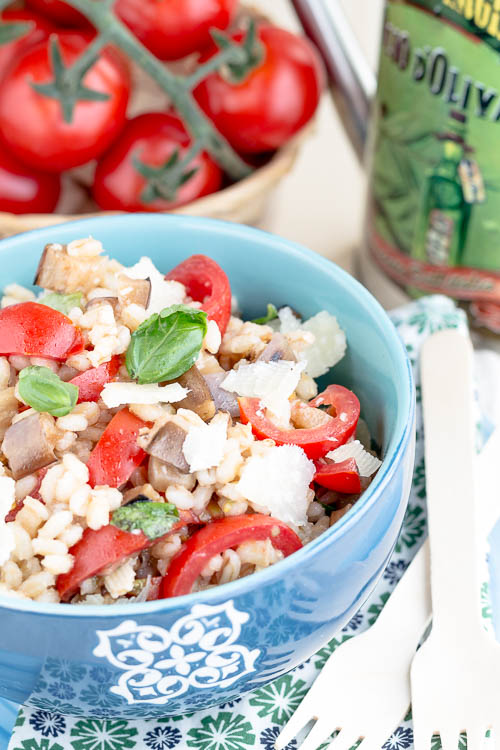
(206, 282)
(340, 477)
(117, 454)
(315, 441)
(91, 382)
(218, 536)
(107, 546)
(38, 331)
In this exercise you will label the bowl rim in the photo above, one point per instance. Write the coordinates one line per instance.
(397, 444)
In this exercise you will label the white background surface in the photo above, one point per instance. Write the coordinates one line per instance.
(320, 204)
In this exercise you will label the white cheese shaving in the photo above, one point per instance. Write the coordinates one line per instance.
(271, 382)
(277, 483)
(289, 321)
(163, 293)
(205, 444)
(366, 463)
(329, 340)
(329, 344)
(116, 394)
(7, 499)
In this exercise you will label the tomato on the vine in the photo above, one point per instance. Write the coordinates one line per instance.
(24, 190)
(151, 140)
(32, 124)
(172, 29)
(58, 11)
(41, 28)
(277, 98)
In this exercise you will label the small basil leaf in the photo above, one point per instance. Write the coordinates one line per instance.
(167, 344)
(153, 519)
(43, 390)
(272, 314)
(62, 302)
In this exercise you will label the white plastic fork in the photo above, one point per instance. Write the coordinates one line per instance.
(455, 676)
(364, 687)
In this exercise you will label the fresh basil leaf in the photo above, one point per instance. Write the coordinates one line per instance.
(62, 302)
(167, 344)
(272, 314)
(43, 390)
(153, 519)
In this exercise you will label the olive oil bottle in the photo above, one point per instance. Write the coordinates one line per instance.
(433, 211)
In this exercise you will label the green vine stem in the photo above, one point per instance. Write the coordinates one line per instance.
(179, 88)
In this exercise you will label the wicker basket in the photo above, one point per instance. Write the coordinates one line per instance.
(244, 202)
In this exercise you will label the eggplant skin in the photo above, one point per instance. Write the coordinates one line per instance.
(27, 445)
(223, 400)
(167, 444)
(199, 398)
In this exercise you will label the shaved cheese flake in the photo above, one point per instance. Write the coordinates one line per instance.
(289, 321)
(329, 344)
(366, 463)
(163, 293)
(271, 382)
(7, 499)
(205, 444)
(277, 483)
(329, 340)
(116, 394)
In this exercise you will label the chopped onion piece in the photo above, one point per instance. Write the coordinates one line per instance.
(367, 463)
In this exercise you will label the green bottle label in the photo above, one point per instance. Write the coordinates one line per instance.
(434, 210)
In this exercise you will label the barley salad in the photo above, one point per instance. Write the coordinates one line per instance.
(155, 443)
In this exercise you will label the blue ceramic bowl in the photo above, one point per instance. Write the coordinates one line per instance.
(177, 655)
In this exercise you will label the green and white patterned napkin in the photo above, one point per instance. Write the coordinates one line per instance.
(255, 720)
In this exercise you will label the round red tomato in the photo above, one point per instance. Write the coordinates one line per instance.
(32, 124)
(274, 101)
(152, 139)
(12, 50)
(172, 29)
(24, 190)
(59, 11)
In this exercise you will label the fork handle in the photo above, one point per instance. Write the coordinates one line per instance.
(408, 609)
(447, 394)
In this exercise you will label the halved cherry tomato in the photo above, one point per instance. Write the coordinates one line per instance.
(32, 125)
(206, 282)
(41, 29)
(59, 11)
(36, 330)
(315, 441)
(339, 477)
(152, 138)
(25, 190)
(117, 454)
(276, 99)
(96, 550)
(91, 382)
(218, 536)
(172, 29)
